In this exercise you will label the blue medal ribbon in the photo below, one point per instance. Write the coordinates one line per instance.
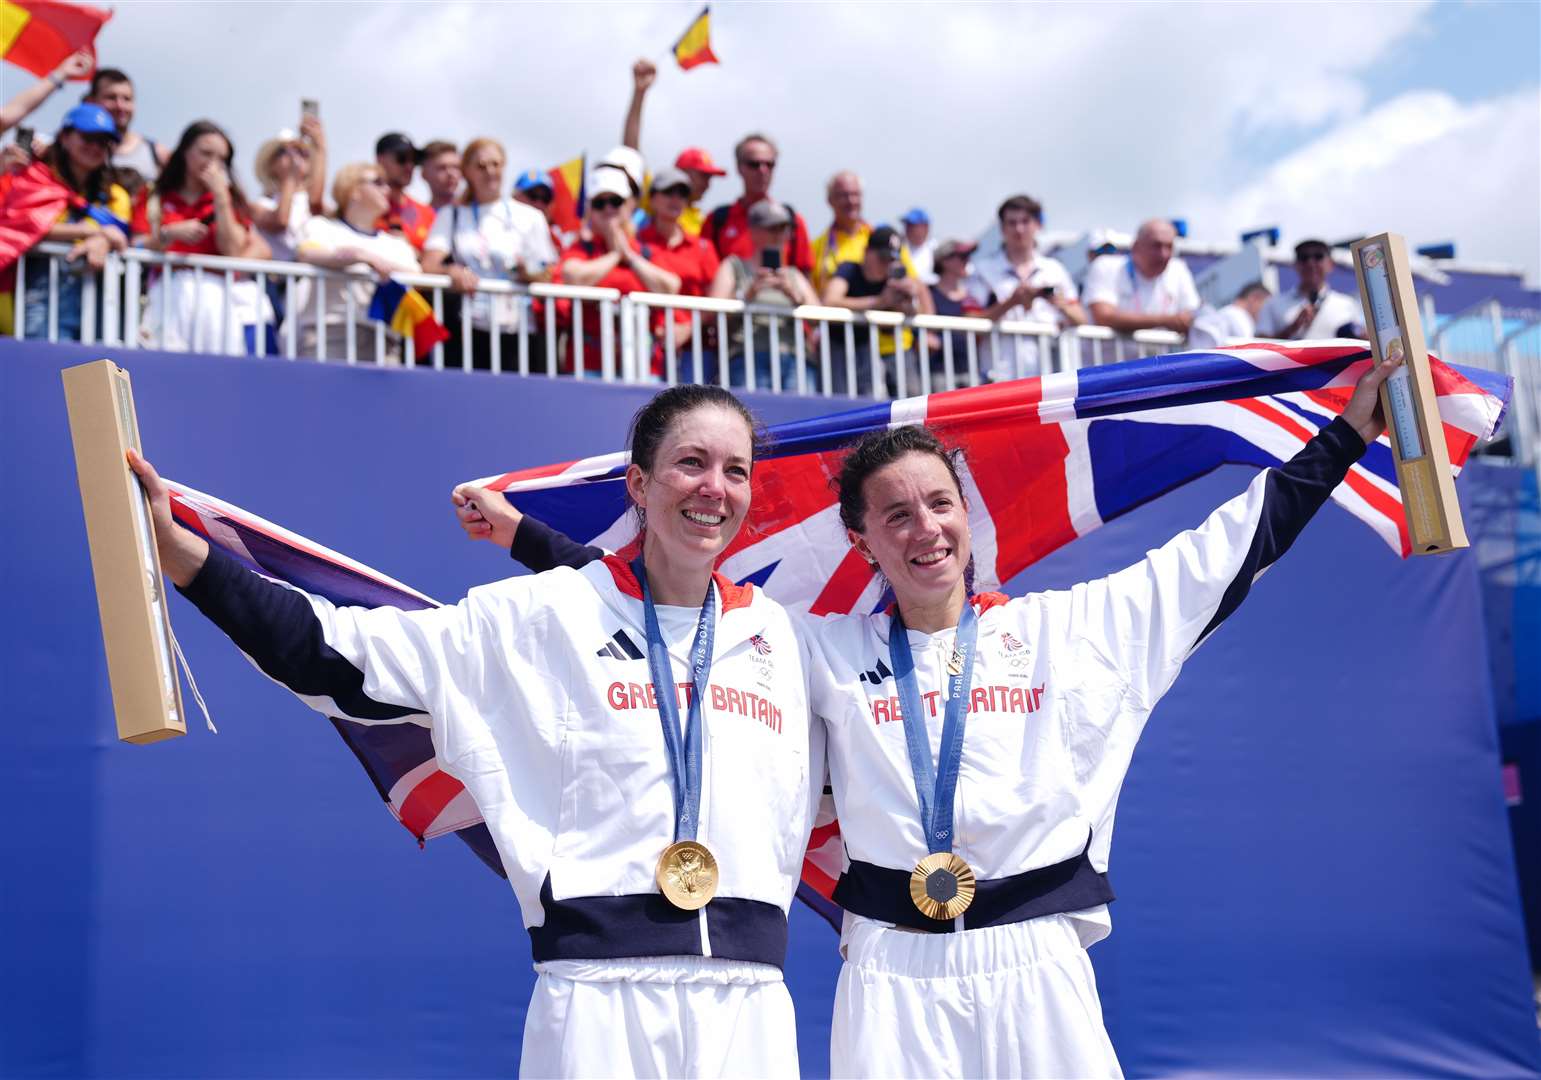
(684, 753)
(935, 784)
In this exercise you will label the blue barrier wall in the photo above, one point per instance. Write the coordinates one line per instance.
(1312, 861)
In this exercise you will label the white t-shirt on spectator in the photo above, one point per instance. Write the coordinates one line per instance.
(1112, 279)
(286, 241)
(323, 236)
(491, 239)
(1334, 310)
(992, 278)
(923, 259)
(1211, 328)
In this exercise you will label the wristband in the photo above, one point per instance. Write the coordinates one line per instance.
(57, 79)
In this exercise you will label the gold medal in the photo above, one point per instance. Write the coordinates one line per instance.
(942, 886)
(687, 875)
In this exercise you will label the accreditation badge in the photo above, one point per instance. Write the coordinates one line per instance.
(687, 875)
(942, 885)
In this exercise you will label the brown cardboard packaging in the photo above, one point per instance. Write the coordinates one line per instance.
(1434, 522)
(130, 596)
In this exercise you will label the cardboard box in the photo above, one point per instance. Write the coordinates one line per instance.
(136, 627)
(1434, 522)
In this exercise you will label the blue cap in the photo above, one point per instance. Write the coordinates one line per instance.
(89, 120)
(533, 178)
(916, 216)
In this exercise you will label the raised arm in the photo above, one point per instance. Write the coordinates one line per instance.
(379, 665)
(643, 72)
(76, 65)
(1147, 619)
(488, 515)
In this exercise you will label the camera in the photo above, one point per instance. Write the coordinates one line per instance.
(770, 258)
(896, 270)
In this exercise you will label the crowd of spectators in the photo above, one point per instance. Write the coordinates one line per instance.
(100, 185)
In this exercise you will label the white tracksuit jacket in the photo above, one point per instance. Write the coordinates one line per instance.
(1063, 683)
(537, 690)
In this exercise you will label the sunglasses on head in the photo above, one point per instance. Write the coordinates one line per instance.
(606, 202)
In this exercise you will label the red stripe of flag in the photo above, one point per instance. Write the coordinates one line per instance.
(425, 802)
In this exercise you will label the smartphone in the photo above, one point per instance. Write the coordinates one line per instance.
(770, 258)
(310, 107)
(25, 138)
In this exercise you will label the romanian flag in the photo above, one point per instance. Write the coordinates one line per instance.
(695, 44)
(567, 194)
(405, 311)
(37, 35)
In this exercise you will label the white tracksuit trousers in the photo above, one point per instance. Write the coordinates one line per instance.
(1006, 1001)
(678, 1016)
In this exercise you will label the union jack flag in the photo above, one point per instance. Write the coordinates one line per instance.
(1048, 459)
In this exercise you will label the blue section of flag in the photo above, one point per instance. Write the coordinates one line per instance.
(387, 297)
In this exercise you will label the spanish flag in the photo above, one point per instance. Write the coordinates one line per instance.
(37, 35)
(695, 45)
(567, 194)
(405, 311)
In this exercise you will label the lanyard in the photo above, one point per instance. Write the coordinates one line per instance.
(935, 785)
(684, 754)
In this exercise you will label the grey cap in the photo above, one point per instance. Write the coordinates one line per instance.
(664, 179)
(766, 214)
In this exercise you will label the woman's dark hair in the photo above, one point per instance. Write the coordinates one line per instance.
(878, 449)
(174, 176)
(653, 420)
(93, 188)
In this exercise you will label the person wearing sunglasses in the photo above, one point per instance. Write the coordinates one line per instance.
(406, 217)
(671, 246)
(535, 188)
(350, 239)
(1313, 309)
(607, 255)
(727, 227)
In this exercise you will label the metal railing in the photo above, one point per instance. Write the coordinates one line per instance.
(144, 299)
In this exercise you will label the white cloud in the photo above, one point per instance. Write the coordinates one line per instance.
(1422, 164)
(1109, 113)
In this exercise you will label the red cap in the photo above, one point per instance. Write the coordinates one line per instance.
(693, 157)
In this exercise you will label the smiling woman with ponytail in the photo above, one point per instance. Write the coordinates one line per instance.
(635, 735)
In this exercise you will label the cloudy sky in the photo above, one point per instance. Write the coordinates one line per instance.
(1327, 119)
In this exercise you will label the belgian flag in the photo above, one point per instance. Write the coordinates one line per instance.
(37, 35)
(695, 45)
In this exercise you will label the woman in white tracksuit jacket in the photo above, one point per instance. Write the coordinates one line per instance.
(1058, 690)
(539, 696)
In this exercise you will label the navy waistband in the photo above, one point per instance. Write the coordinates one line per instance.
(614, 927)
(880, 893)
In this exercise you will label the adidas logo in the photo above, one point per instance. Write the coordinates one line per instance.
(620, 647)
(876, 677)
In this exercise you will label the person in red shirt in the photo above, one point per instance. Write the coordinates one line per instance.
(608, 256)
(727, 227)
(198, 208)
(407, 217)
(664, 241)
